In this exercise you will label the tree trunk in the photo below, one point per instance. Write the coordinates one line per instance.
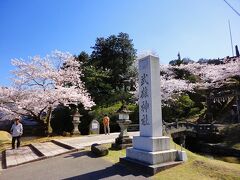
(48, 121)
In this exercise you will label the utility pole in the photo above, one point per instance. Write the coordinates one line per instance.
(230, 36)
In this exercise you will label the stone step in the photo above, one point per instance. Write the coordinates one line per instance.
(19, 156)
(49, 149)
(70, 143)
(148, 169)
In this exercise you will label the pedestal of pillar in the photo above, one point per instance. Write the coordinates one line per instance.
(152, 150)
(151, 143)
(153, 153)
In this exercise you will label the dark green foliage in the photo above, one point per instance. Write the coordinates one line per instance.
(183, 106)
(198, 99)
(181, 109)
(115, 53)
(231, 133)
(99, 111)
(210, 61)
(184, 74)
(187, 61)
(134, 116)
(194, 111)
(179, 61)
(61, 120)
(85, 120)
(112, 61)
(96, 81)
(176, 62)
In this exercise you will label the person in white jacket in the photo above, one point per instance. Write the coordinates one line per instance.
(16, 131)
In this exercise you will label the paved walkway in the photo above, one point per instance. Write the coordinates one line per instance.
(37, 151)
(84, 141)
(20, 156)
(49, 149)
(75, 165)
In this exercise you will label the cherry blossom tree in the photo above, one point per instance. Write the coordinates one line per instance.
(212, 75)
(209, 76)
(40, 84)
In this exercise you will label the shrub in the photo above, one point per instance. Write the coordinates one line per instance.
(5, 137)
(61, 120)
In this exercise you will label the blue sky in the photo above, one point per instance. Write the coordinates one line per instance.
(195, 28)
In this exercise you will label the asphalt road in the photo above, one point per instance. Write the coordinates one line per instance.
(78, 165)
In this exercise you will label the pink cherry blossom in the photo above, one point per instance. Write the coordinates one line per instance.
(40, 83)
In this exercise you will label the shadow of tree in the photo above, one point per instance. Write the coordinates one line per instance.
(80, 154)
(116, 171)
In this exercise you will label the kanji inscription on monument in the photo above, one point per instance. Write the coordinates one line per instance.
(144, 94)
(150, 115)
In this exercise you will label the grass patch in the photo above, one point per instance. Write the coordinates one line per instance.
(114, 155)
(197, 167)
(5, 140)
(5, 137)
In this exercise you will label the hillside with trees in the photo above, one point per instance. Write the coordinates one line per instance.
(49, 89)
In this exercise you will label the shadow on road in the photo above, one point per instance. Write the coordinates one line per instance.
(112, 172)
(115, 170)
(80, 154)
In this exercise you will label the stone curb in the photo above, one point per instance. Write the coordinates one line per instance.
(67, 145)
(36, 151)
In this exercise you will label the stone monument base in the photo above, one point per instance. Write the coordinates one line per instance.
(152, 158)
(151, 143)
(153, 153)
(146, 168)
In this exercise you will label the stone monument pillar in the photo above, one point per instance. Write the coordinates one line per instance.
(151, 150)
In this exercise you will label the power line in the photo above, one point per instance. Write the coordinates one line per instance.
(232, 8)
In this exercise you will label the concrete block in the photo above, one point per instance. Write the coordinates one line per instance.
(182, 156)
(151, 143)
(152, 158)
